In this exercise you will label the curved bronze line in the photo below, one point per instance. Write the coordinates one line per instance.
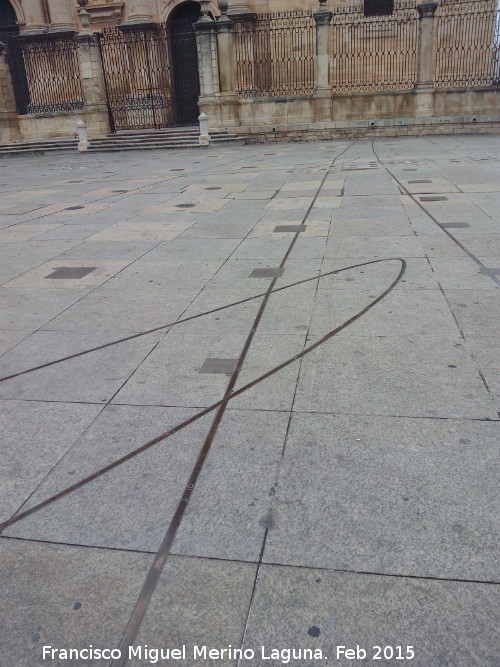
(214, 406)
(182, 321)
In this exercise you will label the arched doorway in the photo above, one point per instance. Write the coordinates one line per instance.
(8, 30)
(8, 20)
(185, 61)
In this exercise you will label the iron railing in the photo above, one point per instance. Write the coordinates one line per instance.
(45, 73)
(467, 43)
(137, 72)
(373, 53)
(275, 54)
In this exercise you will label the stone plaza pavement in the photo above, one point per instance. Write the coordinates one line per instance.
(348, 500)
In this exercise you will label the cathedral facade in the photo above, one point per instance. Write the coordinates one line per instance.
(269, 69)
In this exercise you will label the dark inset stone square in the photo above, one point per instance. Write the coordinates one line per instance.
(290, 228)
(455, 225)
(213, 188)
(71, 272)
(266, 273)
(73, 208)
(187, 205)
(420, 180)
(490, 272)
(433, 198)
(224, 366)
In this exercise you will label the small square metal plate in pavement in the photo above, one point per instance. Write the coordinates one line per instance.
(71, 272)
(490, 272)
(224, 366)
(455, 225)
(266, 273)
(290, 228)
(420, 180)
(433, 198)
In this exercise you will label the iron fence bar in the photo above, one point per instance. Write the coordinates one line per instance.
(275, 54)
(467, 43)
(148, 69)
(106, 89)
(376, 52)
(46, 73)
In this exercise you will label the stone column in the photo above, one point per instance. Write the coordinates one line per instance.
(426, 55)
(36, 19)
(323, 18)
(424, 86)
(61, 16)
(207, 56)
(237, 8)
(323, 95)
(141, 12)
(96, 110)
(9, 127)
(226, 55)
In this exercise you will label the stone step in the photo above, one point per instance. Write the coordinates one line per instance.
(155, 142)
(172, 138)
(158, 146)
(36, 145)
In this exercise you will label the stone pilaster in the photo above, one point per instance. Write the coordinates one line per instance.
(226, 54)
(96, 110)
(426, 55)
(61, 16)
(424, 87)
(237, 8)
(9, 128)
(323, 18)
(36, 19)
(141, 12)
(206, 43)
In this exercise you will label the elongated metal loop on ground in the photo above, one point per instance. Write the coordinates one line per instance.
(232, 395)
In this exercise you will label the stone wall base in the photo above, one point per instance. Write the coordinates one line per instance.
(389, 127)
(9, 127)
(329, 115)
(51, 125)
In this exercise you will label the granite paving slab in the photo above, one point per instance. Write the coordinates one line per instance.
(129, 507)
(402, 313)
(64, 597)
(452, 624)
(93, 378)
(199, 602)
(34, 438)
(477, 311)
(430, 483)
(95, 274)
(24, 232)
(394, 376)
(111, 310)
(228, 514)
(9, 338)
(28, 308)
